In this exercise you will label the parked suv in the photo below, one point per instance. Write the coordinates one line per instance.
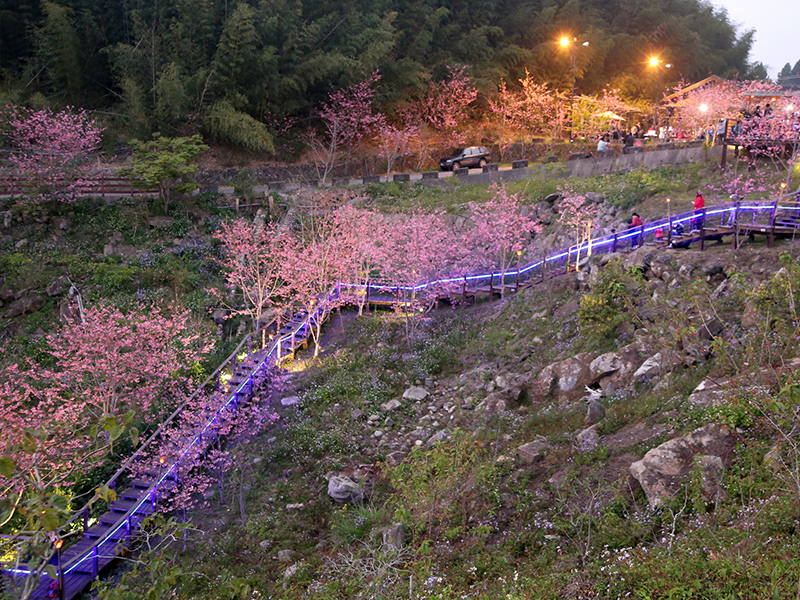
(474, 156)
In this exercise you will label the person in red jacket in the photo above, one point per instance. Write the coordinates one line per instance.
(636, 223)
(699, 211)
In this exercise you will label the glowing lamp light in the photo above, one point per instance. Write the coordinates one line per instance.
(654, 61)
(161, 460)
(703, 108)
(564, 41)
(58, 544)
(783, 185)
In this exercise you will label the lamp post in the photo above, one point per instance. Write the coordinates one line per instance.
(659, 65)
(572, 45)
(703, 108)
(669, 216)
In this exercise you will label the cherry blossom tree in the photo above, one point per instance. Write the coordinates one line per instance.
(364, 238)
(395, 143)
(251, 260)
(347, 117)
(540, 109)
(440, 111)
(46, 444)
(111, 372)
(504, 116)
(52, 151)
(419, 250)
(499, 234)
(772, 139)
(577, 214)
(313, 260)
(119, 364)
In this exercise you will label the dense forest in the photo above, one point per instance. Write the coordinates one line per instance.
(246, 72)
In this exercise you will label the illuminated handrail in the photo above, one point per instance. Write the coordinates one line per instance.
(322, 308)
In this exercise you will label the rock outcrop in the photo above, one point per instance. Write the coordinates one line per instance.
(666, 468)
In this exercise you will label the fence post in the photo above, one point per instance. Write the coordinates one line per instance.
(702, 228)
(771, 237)
(735, 225)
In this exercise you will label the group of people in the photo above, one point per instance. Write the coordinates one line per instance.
(637, 222)
(634, 137)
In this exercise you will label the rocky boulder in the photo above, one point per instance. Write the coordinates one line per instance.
(345, 490)
(664, 469)
(533, 451)
(415, 393)
(567, 378)
(394, 536)
(25, 305)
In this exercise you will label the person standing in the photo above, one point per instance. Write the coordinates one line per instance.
(635, 223)
(699, 210)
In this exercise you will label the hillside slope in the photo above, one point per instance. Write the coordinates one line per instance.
(626, 431)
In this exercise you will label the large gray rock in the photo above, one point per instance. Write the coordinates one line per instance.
(394, 536)
(664, 469)
(290, 401)
(605, 365)
(595, 412)
(533, 451)
(391, 405)
(345, 490)
(712, 392)
(711, 469)
(58, 286)
(588, 439)
(655, 366)
(567, 378)
(415, 393)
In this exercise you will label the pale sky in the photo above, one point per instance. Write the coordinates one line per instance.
(777, 25)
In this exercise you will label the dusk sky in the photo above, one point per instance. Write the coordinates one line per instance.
(776, 25)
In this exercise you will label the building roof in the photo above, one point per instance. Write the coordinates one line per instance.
(710, 81)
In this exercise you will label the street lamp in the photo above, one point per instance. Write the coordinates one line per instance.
(572, 45)
(656, 63)
(703, 108)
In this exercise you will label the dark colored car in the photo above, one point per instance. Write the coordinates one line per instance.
(474, 156)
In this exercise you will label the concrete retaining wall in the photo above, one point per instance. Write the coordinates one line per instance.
(589, 167)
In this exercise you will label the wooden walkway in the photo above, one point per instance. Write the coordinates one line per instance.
(103, 537)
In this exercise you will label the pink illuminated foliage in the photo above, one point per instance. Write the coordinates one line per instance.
(111, 370)
(250, 258)
(313, 260)
(440, 112)
(395, 143)
(347, 117)
(204, 461)
(364, 239)
(121, 363)
(499, 235)
(577, 215)
(52, 151)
